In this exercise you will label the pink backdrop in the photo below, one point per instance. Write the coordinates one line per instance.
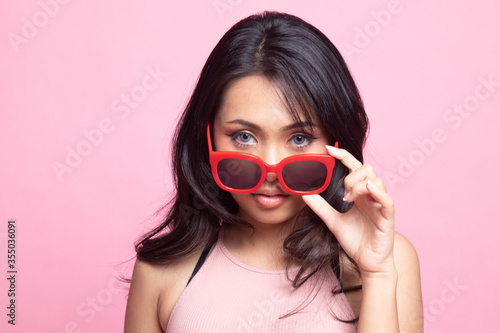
(90, 90)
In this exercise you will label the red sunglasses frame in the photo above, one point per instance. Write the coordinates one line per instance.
(216, 156)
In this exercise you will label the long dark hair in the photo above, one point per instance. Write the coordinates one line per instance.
(312, 76)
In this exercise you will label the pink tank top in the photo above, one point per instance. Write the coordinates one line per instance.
(227, 295)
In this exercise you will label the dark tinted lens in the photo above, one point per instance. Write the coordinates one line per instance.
(304, 175)
(238, 174)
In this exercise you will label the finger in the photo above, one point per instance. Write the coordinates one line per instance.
(322, 208)
(382, 197)
(345, 157)
(361, 188)
(362, 173)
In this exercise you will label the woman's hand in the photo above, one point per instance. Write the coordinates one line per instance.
(366, 231)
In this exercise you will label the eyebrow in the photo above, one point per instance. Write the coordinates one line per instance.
(245, 123)
(284, 129)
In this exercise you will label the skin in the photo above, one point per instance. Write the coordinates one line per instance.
(254, 119)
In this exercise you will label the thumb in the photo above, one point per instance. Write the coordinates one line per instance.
(324, 210)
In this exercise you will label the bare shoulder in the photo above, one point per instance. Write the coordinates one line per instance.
(145, 289)
(405, 254)
(409, 294)
(154, 290)
(409, 290)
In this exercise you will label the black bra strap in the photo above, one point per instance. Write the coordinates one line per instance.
(200, 262)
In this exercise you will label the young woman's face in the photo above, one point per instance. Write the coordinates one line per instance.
(253, 119)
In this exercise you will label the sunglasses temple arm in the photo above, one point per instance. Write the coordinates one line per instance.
(208, 139)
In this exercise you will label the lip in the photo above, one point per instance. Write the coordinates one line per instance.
(270, 192)
(270, 199)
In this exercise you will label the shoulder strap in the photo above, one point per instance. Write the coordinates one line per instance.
(201, 260)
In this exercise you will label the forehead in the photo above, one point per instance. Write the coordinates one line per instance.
(254, 98)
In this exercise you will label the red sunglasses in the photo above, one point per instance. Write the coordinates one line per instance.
(245, 173)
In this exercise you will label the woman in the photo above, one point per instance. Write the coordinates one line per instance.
(272, 227)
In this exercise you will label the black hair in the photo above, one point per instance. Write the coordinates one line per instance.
(312, 77)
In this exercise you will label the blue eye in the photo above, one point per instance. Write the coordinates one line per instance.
(243, 139)
(301, 141)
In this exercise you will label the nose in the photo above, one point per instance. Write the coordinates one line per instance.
(271, 177)
(272, 156)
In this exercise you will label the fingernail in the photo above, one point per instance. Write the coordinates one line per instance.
(371, 185)
(331, 147)
(347, 196)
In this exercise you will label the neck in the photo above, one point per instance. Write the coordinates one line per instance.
(261, 247)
